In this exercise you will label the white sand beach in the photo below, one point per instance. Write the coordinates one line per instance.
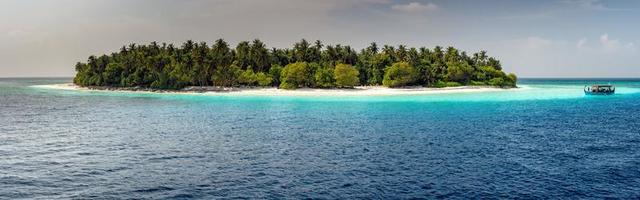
(272, 91)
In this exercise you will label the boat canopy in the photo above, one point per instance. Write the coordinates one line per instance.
(602, 86)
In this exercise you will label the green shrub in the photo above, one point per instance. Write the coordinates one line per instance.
(263, 79)
(346, 75)
(288, 86)
(511, 80)
(310, 79)
(439, 84)
(112, 74)
(477, 83)
(453, 84)
(459, 71)
(275, 72)
(247, 77)
(498, 82)
(294, 75)
(399, 74)
(224, 76)
(324, 77)
(479, 76)
(442, 84)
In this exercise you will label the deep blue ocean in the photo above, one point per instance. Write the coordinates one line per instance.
(543, 140)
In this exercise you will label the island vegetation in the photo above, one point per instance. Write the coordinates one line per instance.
(313, 65)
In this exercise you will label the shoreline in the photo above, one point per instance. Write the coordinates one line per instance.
(273, 91)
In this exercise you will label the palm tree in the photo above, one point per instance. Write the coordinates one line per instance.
(259, 56)
(243, 50)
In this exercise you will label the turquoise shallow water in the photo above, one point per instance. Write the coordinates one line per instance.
(544, 140)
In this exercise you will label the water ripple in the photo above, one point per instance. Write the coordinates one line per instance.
(92, 146)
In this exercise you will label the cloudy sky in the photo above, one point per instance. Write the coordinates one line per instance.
(563, 38)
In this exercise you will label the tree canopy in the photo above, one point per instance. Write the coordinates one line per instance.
(399, 74)
(346, 75)
(306, 64)
(295, 75)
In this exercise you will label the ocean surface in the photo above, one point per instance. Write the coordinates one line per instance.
(543, 140)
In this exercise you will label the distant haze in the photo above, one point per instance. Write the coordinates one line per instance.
(568, 38)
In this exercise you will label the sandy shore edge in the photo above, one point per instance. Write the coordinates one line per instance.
(272, 91)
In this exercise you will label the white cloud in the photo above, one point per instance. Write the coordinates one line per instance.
(588, 4)
(582, 43)
(415, 7)
(609, 45)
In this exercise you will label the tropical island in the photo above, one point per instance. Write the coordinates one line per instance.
(306, 65)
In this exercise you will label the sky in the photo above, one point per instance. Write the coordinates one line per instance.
(562, 38)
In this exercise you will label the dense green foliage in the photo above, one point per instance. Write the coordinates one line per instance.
(325, 78)
(307, 64)
(399, 74)
(346, 75)
(296, 75)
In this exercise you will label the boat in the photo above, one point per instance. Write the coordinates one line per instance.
(597, 89)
